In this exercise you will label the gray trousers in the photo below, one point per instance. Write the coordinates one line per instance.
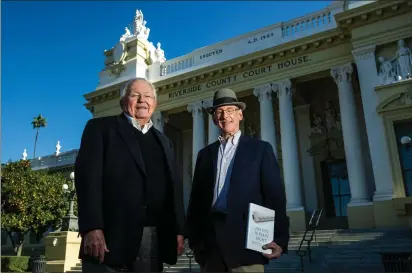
(147, 259)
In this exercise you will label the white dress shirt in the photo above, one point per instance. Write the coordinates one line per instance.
(226, 154)
(136, 124)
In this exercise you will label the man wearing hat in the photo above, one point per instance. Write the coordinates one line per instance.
(231, 173)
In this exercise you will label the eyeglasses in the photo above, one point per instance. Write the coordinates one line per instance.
(138, 96)
(229, 111)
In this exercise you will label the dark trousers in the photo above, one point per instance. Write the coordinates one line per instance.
(147, 260)
(215, 261)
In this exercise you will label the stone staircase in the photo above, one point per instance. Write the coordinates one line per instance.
(333, 251)
(76, 269)
(182, 265)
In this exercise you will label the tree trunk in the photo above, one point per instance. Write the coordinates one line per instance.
(11, 239)
(17, 246)
(20, 244)
(35, 143)
(19, 249)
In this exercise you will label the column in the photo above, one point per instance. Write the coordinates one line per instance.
(303, 125)
(196, 109)
(213, 130)
(267, 121)
(290, 157)
(351, 135)
(368, 80)
(158, 121)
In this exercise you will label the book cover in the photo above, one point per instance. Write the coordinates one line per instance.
(261, 227)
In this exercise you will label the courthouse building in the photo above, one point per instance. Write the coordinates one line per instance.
(330, 91)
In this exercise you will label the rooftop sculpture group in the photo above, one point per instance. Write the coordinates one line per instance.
(140, 31)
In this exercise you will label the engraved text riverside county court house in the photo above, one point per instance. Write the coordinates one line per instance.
(231, 79)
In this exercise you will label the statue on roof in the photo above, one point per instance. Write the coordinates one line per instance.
(126, 34)
(24, 154)
(58, 147)
(159, 53)
(138, 22)
(144, 32)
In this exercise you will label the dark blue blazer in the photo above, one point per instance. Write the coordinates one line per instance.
(255, 179)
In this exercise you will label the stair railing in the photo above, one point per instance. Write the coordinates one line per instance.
(189, 254)
(307, 238)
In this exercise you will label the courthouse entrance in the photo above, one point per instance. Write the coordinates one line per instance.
(404, 129)
(336, 192)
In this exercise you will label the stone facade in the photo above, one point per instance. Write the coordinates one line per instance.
(331, 92)
(327, 91)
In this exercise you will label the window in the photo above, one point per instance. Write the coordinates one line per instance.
(405, 154)
(336, 188)
(338, 175)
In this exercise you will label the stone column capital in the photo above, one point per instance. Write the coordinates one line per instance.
(364, 53)
(195, 107)
(207, 103)
(263, 91)
(283, 87)
(342, 73)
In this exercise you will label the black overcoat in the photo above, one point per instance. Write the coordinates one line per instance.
(110, 176)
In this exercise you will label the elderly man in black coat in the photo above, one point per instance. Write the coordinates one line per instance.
(130, 204)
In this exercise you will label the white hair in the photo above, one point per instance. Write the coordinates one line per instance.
(124, 90)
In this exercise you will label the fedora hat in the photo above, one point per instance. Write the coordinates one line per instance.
(225, 97)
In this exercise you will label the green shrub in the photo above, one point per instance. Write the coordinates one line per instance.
(15, 264)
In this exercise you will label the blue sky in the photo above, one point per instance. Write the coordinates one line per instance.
(52, 52)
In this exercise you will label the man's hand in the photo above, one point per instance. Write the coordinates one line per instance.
(276, 250)
(95, 244)
(180, 245)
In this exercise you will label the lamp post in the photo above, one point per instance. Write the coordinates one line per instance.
(70, 220)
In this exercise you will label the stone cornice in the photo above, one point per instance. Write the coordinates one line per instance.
(285, 51)
(399, 83)
(371, 13)
(101, 96)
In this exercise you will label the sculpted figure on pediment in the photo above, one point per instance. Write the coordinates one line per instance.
(387, 73)
(396, 101)
(403, 60)
(406, 98)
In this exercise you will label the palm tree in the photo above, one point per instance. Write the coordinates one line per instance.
(38, 122)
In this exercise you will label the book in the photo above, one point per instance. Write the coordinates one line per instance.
(260, 228)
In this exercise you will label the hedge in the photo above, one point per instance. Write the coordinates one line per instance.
(15, 264)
